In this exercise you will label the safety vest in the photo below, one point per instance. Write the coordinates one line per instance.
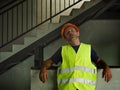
(76, 71)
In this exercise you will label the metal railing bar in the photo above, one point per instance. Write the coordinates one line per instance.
(12, 23)
(27, 14)
(46, 9)
(2, 28)
(7, 27)
(31, 13)
(69, 2)
(22, 17)
(55, 6)
(50, 10)
(64, 3)
(36, 11)
(12, 7)
(17, 20)
(41, 9)
(73, 1)
(59, 5)
(7, 4)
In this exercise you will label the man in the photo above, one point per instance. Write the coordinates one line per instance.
(76, 71)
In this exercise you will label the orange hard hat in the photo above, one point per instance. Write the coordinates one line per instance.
(66, 26)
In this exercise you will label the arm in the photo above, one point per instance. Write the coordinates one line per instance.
(56, 58)
(106, 70)
(43, 72)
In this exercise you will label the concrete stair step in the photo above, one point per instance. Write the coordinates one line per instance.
(5, 55)
(7, 48)
(17, 48)
(65, 18)
(54, 25)
(86, 5)
(29, 40)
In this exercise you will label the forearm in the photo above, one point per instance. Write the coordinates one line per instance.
(106, 70)
(43, 72)
(47, 64)
(101, 64)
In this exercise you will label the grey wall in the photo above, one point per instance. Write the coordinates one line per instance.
(104, 35)
(114, 84)
(17, 78)
(50, 84)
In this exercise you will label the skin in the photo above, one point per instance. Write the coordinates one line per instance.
(72, 36)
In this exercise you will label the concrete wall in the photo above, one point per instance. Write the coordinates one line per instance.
(17, 78)
(51, 83)
(104, 36)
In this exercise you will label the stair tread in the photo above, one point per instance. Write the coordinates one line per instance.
(5, 55)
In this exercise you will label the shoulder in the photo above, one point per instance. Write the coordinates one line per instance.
(66, 45)
(85, 44)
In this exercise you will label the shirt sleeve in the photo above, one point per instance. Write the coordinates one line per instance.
(94, 56)
(56, 57)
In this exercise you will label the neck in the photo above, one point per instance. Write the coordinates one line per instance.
(74, 42)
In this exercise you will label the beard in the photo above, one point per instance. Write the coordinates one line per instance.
(72, 39)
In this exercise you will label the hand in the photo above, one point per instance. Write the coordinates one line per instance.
(43, 75)
(107, 74)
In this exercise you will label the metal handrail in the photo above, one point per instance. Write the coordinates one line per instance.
(3, 6)
(10, 6)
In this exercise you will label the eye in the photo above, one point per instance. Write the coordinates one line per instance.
(72, 29)
(67, 32)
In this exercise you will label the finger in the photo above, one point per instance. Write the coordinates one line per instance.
(41, 78)
(45, 77)
(103, 74)
(109, 76)
(106, 77)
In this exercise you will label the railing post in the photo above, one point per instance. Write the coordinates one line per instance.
(38, 57)
(50, 10)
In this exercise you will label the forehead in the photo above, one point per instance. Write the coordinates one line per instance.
(68, 28)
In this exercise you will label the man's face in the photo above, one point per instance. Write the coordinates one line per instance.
(71, 33)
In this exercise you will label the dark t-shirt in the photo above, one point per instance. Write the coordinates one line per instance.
(57, 57)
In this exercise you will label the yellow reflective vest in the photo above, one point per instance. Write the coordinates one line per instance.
(76, 71)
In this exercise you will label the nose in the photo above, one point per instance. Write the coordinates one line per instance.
(69, 31)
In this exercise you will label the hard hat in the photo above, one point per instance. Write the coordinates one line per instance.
(66, 26)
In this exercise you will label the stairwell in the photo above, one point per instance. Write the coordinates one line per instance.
(36, 37)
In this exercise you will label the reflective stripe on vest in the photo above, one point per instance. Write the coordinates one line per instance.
(84, 81)
(60, 71)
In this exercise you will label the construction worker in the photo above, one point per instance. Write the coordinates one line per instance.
(77, 70)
